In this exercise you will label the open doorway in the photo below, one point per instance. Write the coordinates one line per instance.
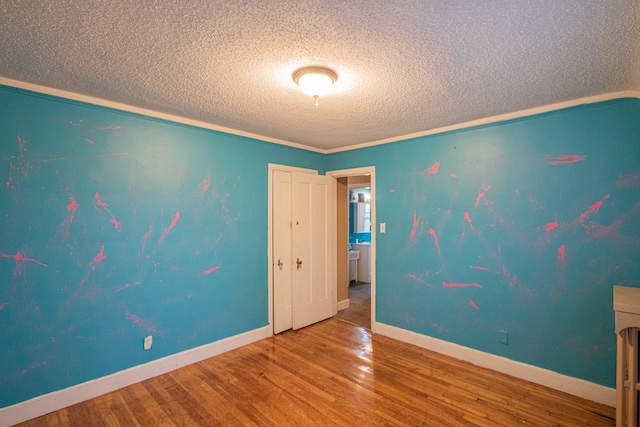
(356, 234)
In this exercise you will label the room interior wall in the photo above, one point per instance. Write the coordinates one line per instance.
(115, 227)
(508, 238)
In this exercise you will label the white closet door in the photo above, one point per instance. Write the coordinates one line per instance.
(313, 253)
(282, 249)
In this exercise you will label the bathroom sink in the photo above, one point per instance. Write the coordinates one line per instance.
(354, 255)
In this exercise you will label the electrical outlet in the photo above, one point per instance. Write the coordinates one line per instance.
(148, 341)
(383, 227)
(504, 337)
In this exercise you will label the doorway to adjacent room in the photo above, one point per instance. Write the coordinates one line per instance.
(356, 235)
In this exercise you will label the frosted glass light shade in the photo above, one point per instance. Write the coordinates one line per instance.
(315, 81)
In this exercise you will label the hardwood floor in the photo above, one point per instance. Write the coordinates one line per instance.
(359, 311)
(332, 373)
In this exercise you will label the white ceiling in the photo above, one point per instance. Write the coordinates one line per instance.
(403, 66)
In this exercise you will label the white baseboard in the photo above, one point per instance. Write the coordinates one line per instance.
(577, 387)
(343, 305)
(54, 401)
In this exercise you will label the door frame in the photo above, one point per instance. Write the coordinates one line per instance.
(273, 167)
(371, 171)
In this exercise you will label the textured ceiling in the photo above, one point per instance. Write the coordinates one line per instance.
(403, 66)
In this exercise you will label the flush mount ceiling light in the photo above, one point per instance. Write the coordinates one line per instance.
(315, 81)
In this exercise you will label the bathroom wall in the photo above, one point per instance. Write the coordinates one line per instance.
(114, 227)
(357, 237)
(522, 226)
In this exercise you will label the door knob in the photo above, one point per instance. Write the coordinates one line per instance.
(299, 263)
(280, 263)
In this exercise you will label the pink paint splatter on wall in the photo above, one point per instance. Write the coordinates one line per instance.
(482, 194)
(73, 206)
(141, 323)
(32, 367)
(204, 186)
(2, 306)
(431, 170)
(461, 285)
(166, 232)
(436, 242)
(477, 267)
(468, 219)
(453, 175)
(146, 237)
(211, 270)
(473, 304)
(414, 277)
(594, 208)
(564, 159)
(551, 226)
(98, 258)
(98, 203)
(416, 221)
(20, 260)
(434, 168)
(562, 255)
(599, 231)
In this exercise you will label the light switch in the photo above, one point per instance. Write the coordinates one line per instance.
(383, 227)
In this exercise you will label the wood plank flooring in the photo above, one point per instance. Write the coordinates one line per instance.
(332, 373)
(359, 311)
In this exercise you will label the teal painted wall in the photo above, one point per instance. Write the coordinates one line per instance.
(113, 227)
(521, 226)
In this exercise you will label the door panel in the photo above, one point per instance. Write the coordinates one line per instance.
(313, 237)
(282, 249)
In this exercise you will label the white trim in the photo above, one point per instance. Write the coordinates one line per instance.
(344, 304)
(205, 125)
(494, 119)
(575, 386)
(150, 113)
(371, 171)
(54, 401)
